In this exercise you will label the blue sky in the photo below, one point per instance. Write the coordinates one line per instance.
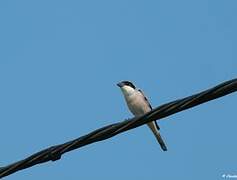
(59, 65)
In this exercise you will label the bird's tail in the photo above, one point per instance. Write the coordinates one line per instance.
(161, 142)
(157, 135)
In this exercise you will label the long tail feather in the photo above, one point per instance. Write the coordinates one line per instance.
(161, 142)
(153, 127)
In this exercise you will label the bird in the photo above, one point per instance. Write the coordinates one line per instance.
(138, 104)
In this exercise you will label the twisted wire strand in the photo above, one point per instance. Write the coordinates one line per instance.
(54, 153)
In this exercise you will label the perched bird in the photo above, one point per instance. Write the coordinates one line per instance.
(139, 105)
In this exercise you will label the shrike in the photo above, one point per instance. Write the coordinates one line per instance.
(139, 105)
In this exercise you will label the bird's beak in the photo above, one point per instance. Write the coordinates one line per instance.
(120, 84)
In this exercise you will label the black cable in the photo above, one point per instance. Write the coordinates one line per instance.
(55, 152)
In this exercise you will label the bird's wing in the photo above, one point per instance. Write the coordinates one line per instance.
(145, 98)
(149, 106)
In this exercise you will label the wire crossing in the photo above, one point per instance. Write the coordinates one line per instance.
(54, 153)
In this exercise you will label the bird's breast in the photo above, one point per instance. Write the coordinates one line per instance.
(137, 105)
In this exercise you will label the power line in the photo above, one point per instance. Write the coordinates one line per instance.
(54, 153)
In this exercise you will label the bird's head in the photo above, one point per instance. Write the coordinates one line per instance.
(127, 87)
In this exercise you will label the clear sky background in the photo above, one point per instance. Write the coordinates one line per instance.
(59, 65)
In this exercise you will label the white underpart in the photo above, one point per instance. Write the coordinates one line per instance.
(135, 101)
(137, 105)
(127, 90)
